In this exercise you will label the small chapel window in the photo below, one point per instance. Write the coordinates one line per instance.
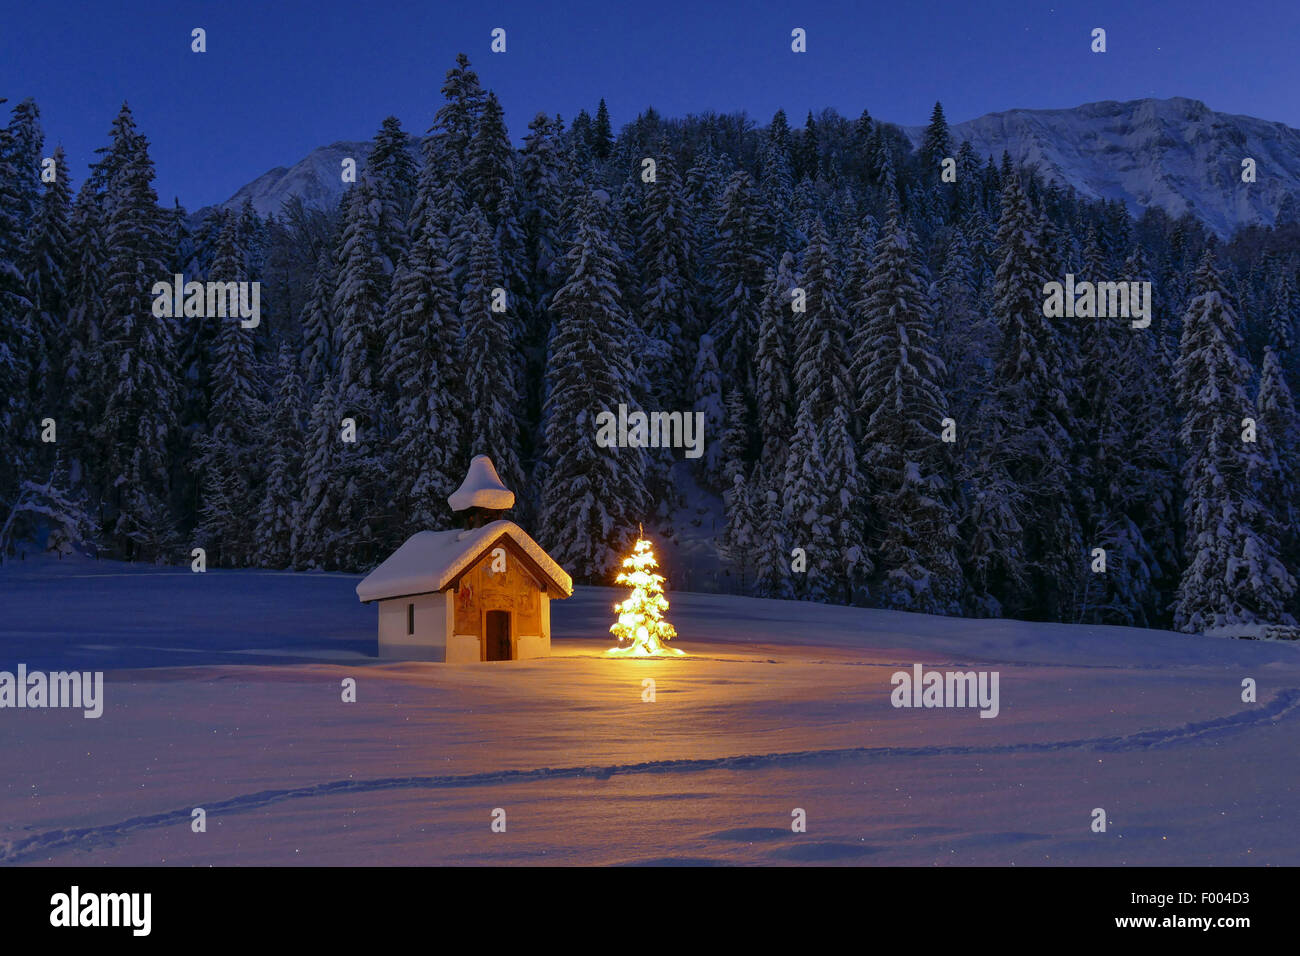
(410, 619)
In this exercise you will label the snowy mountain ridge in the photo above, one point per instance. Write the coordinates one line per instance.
(316, 178)
(1174, 154)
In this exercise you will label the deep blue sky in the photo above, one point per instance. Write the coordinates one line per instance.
(281, 78)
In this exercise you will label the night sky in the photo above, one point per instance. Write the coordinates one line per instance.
(281, 78)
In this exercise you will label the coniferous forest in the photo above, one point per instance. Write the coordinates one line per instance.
(890, 419)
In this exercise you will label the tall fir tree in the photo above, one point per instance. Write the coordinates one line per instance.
(425, 375)
(593, 496)
(281, 436)
(1233, 575)
(1032, 414)
(489, 359)
(903, 455)
(668, 296)
(135, 430)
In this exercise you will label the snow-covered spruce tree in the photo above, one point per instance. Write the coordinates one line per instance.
(1152, 498)
(772, 575)
(704, 182)
(490, 359)
(903, 459)
(490, 184)
(440, 197)
(542, 188)
(804, 506)
(360, 295)
(989, 509)
(936, 144)
(776, 190)
(825, 394)
(134, 431)
(1033, 413)
(1279, 441)
(739, 542)
(1283, 313)
(45, 267)
(707, 379)
(458, 117)
(424, 370)
(667, 310)
(738, 268)
(281, 437)
(736, 444)
(602, 133)
(358, 312)
(316, 531)
(1233, 574)
(1126, 470)
(81, 359)
(20, 143)
(391, 170)
(318, 357)
(773, 386)
(964, 336)
(593, 496)
(229, 456)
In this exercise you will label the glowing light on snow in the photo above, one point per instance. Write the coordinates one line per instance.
(640, 628)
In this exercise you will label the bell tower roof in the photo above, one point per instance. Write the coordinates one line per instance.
(482, 488)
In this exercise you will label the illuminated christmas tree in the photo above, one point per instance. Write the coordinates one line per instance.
(641, 629)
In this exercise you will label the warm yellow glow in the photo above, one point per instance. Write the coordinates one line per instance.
(641, 629)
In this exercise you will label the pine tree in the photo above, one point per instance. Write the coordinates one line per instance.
(1279, 440)
(20, 144)
(804, 493)
(602, 134)
(358, 313)
(317, 532)
(391, 171)
(135, 430)
(317, 324)
(772, 576)
(936, 144)
(707, 380)
(47, 268)
(81, 364)
(229, 456)
(773, 391)
(740, 540)
(1032, 411)
(592, 495)
(490, 184)
(821, 373)
(739, 266)
(1126, 468)
(541, 179)
(903, 409)
(1233, 574)
(736, 444)
(641, 615)
(667, 264)
(425, 375)
(357, 309)
(282, 438)
(489, 357)
(457, 119)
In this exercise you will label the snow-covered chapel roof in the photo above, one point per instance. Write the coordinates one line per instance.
(482, 488)
(430, 561)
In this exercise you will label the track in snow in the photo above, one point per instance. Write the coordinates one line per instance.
(1285, 704)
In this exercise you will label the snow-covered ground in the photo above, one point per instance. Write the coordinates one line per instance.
(223, 691)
